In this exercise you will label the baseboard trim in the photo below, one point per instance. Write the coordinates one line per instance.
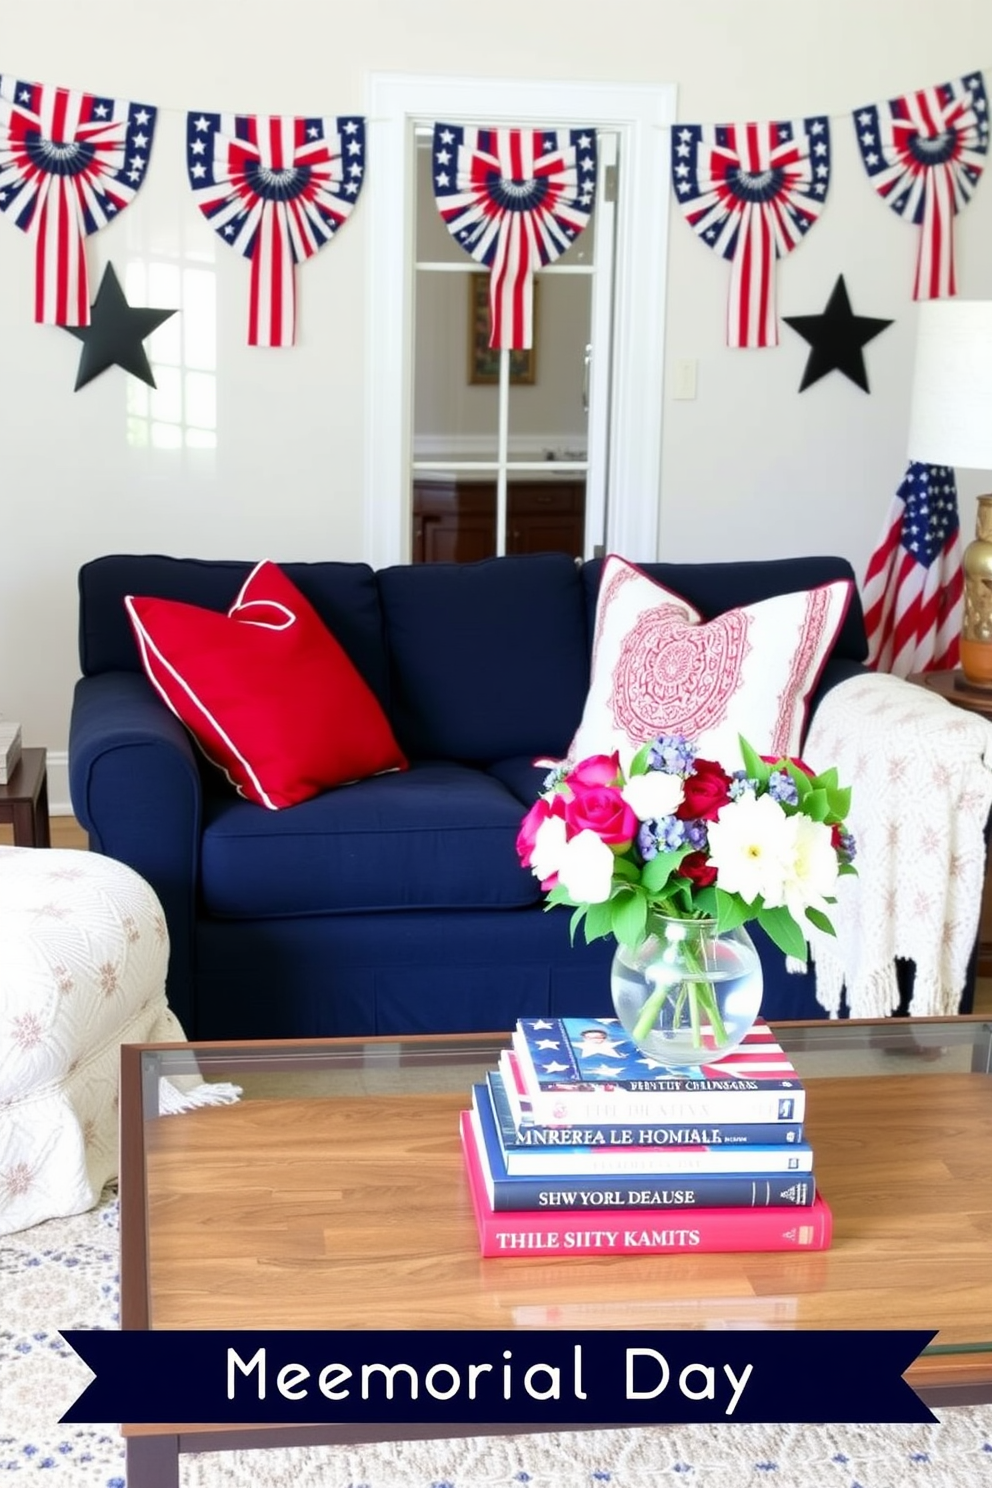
(59, 803)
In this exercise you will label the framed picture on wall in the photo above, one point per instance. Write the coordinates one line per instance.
(483, 360)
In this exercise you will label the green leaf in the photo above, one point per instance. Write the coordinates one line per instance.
(826, 780)
(754, 766)
(839, 801)
(630, 913)
(599, 920)
(816, 806)
(558, 894)
(780, 927)
(846, 868)
(574, 923)
(818, 918)
(705, 900)
(731, 911)
(625, 869)
(658, 870)
(639, 764)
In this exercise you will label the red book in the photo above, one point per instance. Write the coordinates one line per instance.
(529, 1232)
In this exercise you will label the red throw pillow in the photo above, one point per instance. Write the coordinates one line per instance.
(267, 692)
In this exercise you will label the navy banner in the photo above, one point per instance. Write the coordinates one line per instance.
(530, 1378)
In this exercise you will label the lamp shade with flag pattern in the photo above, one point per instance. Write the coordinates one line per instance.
(515, 200)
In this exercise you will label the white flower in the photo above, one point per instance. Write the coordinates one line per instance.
(653, 795)
(586, 868)
(751, 846)
(812, 874)
(549, 848)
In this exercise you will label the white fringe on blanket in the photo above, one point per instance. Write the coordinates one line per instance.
(172, 1101)
(921, 776)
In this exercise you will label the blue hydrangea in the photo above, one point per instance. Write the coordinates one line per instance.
(648, 844)
(740, 784)
(696, 835)
(848, 847)
(672, 833)
(672, 753)
(782, 788)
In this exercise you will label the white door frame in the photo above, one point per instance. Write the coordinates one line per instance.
(643, 116)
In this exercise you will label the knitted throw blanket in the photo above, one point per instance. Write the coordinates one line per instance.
(921, 777)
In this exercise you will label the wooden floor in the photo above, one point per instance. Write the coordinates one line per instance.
(66, 832)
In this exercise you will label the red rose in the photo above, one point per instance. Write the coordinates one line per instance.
(706, 792)
(603, 810)
(696, 867)
(598, 769)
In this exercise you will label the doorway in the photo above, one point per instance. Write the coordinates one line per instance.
(481, 454)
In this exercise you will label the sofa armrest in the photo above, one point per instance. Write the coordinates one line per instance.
(136, 789)
(920, 772)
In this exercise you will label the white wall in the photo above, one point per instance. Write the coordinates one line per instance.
(750, 467)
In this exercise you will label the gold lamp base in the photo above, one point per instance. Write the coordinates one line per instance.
(976, 631)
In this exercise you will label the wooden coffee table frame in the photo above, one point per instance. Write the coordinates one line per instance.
(946, 1376)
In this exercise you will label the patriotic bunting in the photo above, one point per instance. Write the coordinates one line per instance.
(924, 154)
(914, 585)
(69, 163)
(276, 189)
(752, 192)
(515, 200)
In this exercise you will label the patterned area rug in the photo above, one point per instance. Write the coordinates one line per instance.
(63, 1274)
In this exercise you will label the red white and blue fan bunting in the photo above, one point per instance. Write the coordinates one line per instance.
(515, 200)
(752, 192)
(924, 154)
(277, 189)
(69, 163)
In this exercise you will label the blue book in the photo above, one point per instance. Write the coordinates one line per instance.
(629, 1191)
(644, 1148)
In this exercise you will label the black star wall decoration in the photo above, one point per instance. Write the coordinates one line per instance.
(837, 338)
(115, 334)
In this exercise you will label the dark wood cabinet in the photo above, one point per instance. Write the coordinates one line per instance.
(455, 521)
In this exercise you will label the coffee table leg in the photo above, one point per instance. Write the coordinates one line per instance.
(153, 1462)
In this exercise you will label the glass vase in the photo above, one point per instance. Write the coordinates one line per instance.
(687, 995)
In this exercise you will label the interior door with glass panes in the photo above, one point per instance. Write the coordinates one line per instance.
(510, 448)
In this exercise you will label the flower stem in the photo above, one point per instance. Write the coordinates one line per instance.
(701, 998)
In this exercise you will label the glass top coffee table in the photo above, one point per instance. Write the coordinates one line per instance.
(332, 1195)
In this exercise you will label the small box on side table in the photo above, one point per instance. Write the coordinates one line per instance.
(10, 750)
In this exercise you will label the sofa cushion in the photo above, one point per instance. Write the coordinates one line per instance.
(266, 690)
(439, 836)
(658, 668)
(712, 588)
(343, 594)
(488, 659)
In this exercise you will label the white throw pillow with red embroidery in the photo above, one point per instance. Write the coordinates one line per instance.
(659, 668)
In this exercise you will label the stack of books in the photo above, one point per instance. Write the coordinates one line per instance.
(580, 1144)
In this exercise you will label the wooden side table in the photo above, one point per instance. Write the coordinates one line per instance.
(956, 690)
(954, 687)
(24, 800)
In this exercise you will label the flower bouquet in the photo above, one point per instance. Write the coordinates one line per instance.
(682, 838)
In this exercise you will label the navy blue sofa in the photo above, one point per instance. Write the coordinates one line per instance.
(395, 905)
